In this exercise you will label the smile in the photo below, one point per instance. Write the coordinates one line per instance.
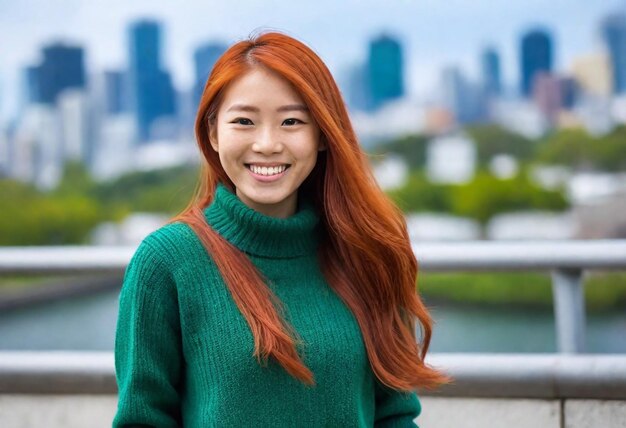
(267, 171)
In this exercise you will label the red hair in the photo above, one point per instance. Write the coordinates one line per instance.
(365, 253)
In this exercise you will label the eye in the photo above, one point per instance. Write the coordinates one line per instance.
(292, 121)
(242, 121)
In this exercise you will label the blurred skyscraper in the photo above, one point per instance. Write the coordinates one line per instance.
(385, 74)
(492, 80)
(462, 97)
(30, 82)
(593, 74)
(151, 87)
(62, 68)
(536, 56)
(614, 32)
(357, 88)
(204, 58)
(115, 92)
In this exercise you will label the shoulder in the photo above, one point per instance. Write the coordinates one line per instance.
(166, 247)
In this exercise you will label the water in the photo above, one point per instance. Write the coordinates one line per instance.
(88, 323)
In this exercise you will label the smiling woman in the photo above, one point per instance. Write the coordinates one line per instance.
(284, 294)
(267, 141)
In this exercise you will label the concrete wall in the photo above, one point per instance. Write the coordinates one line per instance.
(95, 411)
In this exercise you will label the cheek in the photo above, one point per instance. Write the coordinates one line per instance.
(303, 144)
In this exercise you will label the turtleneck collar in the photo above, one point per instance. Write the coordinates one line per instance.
(261, 235)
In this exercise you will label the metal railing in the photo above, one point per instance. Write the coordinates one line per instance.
(566, 260)
(546, 376)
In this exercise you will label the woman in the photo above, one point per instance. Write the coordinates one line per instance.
(284, 295)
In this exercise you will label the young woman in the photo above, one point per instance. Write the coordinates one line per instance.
(285, 294)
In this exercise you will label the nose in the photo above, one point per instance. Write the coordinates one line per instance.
(267, 142)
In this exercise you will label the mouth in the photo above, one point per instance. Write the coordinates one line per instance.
(267, 170)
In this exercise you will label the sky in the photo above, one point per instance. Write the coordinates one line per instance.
(434, 33)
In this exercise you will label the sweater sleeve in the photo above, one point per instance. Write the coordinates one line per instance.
(395, 409)
(148, 355)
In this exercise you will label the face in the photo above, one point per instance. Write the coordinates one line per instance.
(267, 141)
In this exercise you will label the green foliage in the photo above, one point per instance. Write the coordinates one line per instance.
(486, 196)
(492, 140)
(480, 199)
(74, 181)
(69, 213)
(577, 149)
(35, 218)
(603, 291)
(166, 191)
(419, 194)
(412, 148)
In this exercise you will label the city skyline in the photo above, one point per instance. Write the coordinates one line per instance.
(425, 58)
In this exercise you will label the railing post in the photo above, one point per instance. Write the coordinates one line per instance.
(569, 310)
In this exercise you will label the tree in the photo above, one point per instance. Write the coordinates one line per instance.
(492, 140)
(411, 147)
(486, 196)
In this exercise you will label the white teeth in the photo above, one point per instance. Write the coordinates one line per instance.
(263, 170)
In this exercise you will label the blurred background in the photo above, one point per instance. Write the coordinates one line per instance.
(483, 121)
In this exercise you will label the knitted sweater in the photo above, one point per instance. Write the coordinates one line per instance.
(184, 352)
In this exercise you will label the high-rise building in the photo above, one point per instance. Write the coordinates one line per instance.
(152, 93)
(614, 32)
(357, 88)
(74, 115)
(548, 95)
(62, 68)
(592, 73)
(115, 92)
(385, 74)
(30, 82)
(462, 97)
(492, 80)
(204, 58)
(536, 56)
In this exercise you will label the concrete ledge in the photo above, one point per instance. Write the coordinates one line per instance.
(489, 412)
(544, 376)
(74, 411)
(594, 413)
(64, 411)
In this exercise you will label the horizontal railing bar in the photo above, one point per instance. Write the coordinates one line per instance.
(534, 375)
(64, 259)
(449, 256)
(521, 255)
(475, 375)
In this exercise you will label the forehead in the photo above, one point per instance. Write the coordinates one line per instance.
(260, 87)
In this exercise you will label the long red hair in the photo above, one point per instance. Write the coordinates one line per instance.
(365, 252)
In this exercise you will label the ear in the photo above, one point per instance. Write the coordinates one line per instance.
(213, 139)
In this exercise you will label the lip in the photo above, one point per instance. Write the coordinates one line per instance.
(267, 178)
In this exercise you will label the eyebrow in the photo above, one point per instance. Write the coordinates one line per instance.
(289, 107)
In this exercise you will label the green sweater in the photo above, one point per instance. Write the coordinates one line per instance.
(184, 353)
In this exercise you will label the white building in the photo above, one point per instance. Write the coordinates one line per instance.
(529, 225)
(450, 159)
(131, 231)
(165, 154)
(114, 155)
(397, 118)
(37, 149)
(392, 172)
(519, 116)
(74, 115)
(441, 227)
